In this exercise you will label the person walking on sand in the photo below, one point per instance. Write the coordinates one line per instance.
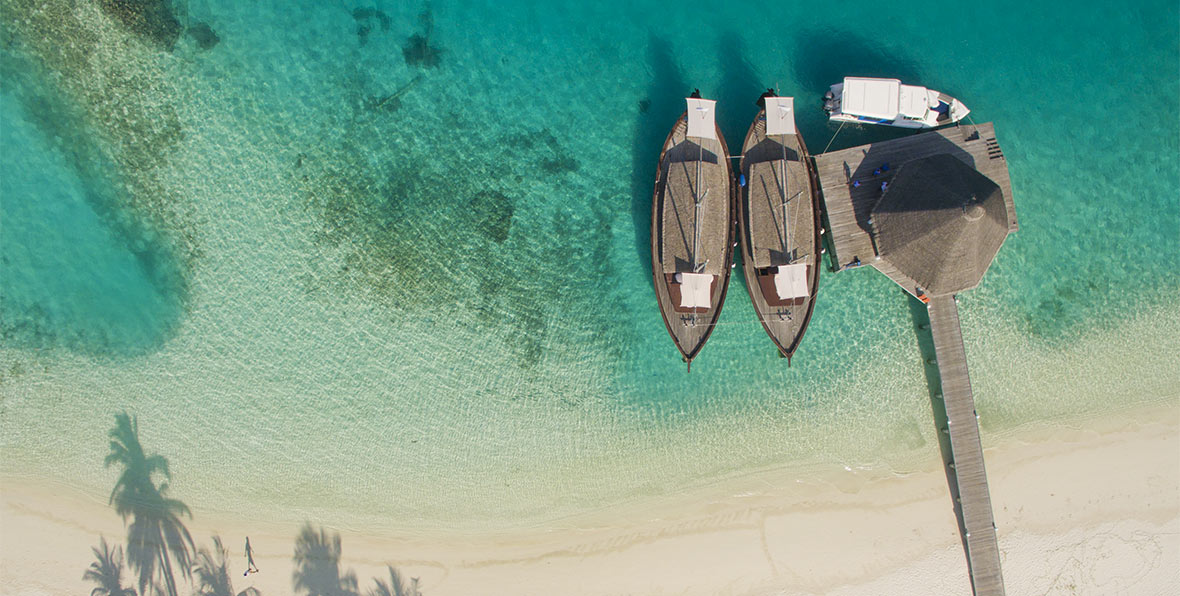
(250, 566)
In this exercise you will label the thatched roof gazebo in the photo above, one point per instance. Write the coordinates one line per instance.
(941, 223)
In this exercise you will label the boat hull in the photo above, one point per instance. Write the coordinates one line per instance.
(850, 119)
(774, 236)
(690, 327)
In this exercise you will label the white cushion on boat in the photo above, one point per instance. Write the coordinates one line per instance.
(701, 123)
(914, 101)
(780, 115)
(958, 110)
(694, 289)
(791, 281)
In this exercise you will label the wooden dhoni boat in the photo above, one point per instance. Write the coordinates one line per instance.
(692, 227)
(778, 211)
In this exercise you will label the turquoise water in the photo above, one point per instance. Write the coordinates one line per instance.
(333, 283)
(76, 273)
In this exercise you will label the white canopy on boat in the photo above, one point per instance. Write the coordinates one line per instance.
(914, 101)
(780, 115)
(874, 98)
(701, 122)
(694, 289)
(791, 281)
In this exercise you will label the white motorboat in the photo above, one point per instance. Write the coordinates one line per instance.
(886, 101)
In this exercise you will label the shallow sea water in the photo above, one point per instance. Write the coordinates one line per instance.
(437, 310)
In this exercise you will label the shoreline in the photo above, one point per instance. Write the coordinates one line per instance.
(1099, 500)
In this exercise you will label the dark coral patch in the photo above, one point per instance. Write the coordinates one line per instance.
(365, 17)
(559, 164)
(204, 35)
(369, 14)
(553, 158)
(490, 212)
(419, 52)
(151, 20)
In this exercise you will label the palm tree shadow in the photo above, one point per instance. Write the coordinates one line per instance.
(156, 535)
(396, 586)
(657, 113)
(317, 565)
(921, 319)
(212, 573)
(107, 571)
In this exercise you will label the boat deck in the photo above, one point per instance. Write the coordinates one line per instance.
(678, 174)
(847, 207)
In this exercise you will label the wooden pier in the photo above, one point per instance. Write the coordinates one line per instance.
(974, 502)
(849, 238)
(929, 245)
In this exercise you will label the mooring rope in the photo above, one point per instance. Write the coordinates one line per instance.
(973, 124)
(834, 137)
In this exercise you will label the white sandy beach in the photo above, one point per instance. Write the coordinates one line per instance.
(1093, 510)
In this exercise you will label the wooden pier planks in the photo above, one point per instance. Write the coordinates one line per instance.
(983, 554)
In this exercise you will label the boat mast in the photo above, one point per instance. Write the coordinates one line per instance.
(783, 190)
(697, 198)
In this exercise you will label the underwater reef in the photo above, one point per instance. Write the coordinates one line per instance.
(418, 51)
(204, 35)
(364, 18)
(150, 20)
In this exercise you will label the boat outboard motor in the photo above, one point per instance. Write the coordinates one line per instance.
(761, 101)
(829, 101)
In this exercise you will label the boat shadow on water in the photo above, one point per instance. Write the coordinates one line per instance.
(661, 105)
(740, 89)
(658, 110)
